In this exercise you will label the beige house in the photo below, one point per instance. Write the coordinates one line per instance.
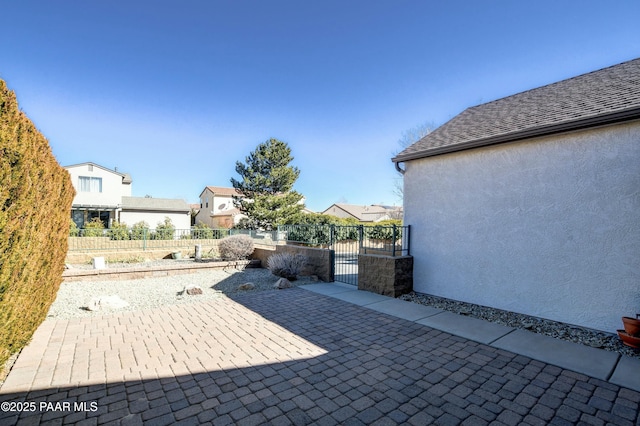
(99, 193)
(106, 194)
(531, 203)
(372, 213)
(217, 209)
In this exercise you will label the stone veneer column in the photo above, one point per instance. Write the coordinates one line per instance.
(386, 275)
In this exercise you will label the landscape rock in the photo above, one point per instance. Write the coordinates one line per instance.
(193, 290)
(282, 283)
(246, 286)
(106, 302)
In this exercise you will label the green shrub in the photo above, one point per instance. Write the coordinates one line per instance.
(235, 247)
(95, 228)
(119, 231)
(201, 232)
(140, 231)
(164, 230)
(36, 196)
(73, 229)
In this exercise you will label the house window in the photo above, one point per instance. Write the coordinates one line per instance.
(89, 184)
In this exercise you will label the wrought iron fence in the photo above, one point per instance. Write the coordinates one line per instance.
(146, 238)
(393, 240)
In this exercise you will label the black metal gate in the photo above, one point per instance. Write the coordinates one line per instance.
(349, 241)
(346, 242)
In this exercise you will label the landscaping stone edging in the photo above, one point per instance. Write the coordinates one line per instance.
(70, 275)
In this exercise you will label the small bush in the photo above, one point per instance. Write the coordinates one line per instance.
(119, 231)
(140, 231)
(201, 232)
(286, 265)
(164, 230)
(73, 229)
(235, 247)
(94, 228)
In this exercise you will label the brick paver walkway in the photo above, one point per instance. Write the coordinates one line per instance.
(289, 357)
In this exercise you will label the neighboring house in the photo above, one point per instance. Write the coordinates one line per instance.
(106, 194)
(372, 213)
(99, 193)
(217, 209)
(154, 211)
(531, 203)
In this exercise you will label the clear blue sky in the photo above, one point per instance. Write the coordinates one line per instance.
(175, 92)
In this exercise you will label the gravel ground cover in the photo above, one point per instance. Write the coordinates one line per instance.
(74, 298)
(571, 333)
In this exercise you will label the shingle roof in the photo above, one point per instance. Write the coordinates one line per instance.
(600, 97)
(364, 213)
(154, 204)
(220, 190)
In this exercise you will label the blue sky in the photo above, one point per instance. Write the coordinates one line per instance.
(175, 92)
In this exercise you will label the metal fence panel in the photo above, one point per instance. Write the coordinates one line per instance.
(147, 239)
(349, 241)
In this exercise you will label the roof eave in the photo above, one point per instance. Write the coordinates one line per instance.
(620, 116)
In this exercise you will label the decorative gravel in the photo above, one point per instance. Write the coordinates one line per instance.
(147, 293)
(559, 330)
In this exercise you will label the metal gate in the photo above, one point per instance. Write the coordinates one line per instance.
(346, 242)
(349, 241)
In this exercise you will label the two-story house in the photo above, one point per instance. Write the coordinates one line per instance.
(106, 194)
(99, 193)
(217, 209)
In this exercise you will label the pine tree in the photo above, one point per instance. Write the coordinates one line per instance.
(266, 185)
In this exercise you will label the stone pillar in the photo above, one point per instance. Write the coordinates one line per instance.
(386, 275)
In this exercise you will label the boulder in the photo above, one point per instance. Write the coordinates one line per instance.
(282, 283)
(246, 286)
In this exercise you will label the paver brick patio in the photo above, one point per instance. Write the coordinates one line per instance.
(290, 357)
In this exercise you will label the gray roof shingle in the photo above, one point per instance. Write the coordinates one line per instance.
(600, 97)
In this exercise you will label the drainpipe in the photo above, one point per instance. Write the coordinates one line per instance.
(400, 170)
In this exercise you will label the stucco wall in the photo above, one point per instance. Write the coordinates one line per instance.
(548, 227)
(179, 220)
(112, 187)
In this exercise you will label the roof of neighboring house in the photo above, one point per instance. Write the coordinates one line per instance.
(364, 213)
(230, 212)
(155, 204)
(220, 190)
(607, 96)
(126, 177)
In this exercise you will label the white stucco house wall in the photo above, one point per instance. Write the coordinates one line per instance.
(106, 194)
(154, 211)
(531, 203)
(99, 192)
(217, 209)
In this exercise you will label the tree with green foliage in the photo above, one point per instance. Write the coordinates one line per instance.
(266, 184)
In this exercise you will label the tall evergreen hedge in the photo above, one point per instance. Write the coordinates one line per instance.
(35, 202)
